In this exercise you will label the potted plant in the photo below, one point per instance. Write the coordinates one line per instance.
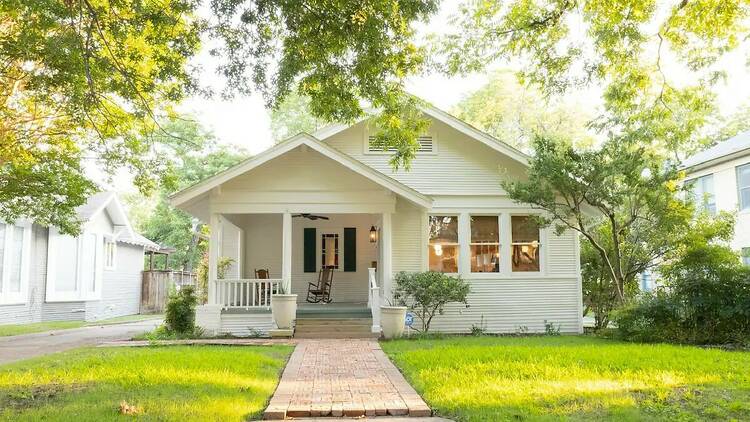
(392, 320)
(283, 308)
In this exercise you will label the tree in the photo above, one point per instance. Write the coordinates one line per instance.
(93, 79)
(622, 198)
(656, 62)
(513, 113)
(203, 157)
(293, 116)
(85, 80)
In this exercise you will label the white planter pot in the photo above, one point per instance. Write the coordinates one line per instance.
(284, 309)
(392, 320)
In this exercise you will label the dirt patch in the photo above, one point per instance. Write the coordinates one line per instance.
(33, 396)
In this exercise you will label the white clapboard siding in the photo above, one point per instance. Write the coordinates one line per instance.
(407, 236)
(121, 286)
(562, 256)
(246, 324)
(460, 165)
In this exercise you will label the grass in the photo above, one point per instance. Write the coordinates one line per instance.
(574, 378)
(38, 327)
(153, 383)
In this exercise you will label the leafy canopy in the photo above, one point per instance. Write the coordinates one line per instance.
(427, 293)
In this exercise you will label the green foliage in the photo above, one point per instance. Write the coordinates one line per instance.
(86, 79)
(514, 113)
(427, 293)
(621, 47)
(179, 315)
(202, 274)
(622, 198)
(707, 294)
(573, 378)
(292, 116)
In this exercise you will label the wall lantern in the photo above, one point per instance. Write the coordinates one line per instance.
(373, 234)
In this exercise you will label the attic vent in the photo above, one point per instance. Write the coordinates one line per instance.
(426, 144)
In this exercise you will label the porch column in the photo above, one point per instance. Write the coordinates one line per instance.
(214, 248)
(387, 249)
(286, 251)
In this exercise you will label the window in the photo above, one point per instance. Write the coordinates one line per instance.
(110, 248)
(14, 256)
(443, 243)
(74, 267)
(426, 145)
(702, 190)
(743, 186)
(485, 244)
(746, 256)
(330, 251)
(524, 244)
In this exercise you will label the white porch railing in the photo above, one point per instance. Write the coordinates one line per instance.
(246, 293)
(373, 300)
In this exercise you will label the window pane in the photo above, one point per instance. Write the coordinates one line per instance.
(443, 258)
(67, 258)
(485, 258)
(16, 258)
(746, 256)
(525, 257)
(2, 253)
(743, 176)
(88, 262)
(443, 229)
(745, 199)
(484, 229)
(524, 229)
(330, 251)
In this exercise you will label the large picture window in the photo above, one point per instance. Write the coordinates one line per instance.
(74, 267)
(743, 186)
(443, 243)
(485, 244)
(14, 256)
(525, 244)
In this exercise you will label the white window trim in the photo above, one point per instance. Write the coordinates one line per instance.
(464, 239)
(741, 188)
(80, 293)
(366, 144)
(499, 244)
(319, 248)
(109, 240)
(20, 297)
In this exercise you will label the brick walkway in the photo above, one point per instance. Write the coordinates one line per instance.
(342, 378)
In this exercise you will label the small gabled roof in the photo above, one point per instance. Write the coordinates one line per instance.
(345, 160)
(453, 122)
(736, 144)
(109, 201)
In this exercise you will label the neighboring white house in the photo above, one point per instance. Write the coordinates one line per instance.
(47, 276)
(720, 179)
(447, 213)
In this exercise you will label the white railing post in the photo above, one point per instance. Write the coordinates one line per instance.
(374, 301)
(246, 293)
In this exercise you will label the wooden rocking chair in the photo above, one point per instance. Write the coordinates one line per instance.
(321, 291)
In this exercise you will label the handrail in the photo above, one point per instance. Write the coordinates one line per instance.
(246, 293)
(373, 300)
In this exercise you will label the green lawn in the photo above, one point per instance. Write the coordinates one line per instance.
(162, 383)
(574, 378)
(38, 327)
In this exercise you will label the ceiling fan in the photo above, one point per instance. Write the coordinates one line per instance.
(311, 216)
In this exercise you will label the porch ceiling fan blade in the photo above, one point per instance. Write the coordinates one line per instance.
(311, 216)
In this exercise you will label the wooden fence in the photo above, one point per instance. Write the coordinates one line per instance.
(155, 287)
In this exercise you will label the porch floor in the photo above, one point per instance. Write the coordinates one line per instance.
(342, 378)
(333, 310)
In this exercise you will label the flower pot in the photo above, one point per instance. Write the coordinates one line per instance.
(392, 320)
(284, 309)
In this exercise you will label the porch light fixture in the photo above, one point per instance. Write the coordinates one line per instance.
(373, 234)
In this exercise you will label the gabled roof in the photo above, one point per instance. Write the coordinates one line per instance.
(736, 144)
(453, 122)
(345, 160)
(107, 200)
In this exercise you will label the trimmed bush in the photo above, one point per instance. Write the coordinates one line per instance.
(427, 293)
(179, 316)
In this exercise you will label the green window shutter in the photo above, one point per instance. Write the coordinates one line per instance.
(350, 249)
(309, 252)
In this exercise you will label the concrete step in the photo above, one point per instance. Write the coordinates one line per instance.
(334, 321)
(334, 335)
(332, 328)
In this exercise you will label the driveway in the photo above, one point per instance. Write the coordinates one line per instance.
(15, 348)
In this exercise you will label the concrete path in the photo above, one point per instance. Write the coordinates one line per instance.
(345, 377)
(15, 348)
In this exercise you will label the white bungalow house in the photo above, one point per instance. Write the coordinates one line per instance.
(48, 276)
(720, 179)
(331, 200)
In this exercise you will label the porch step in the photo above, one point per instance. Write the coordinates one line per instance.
(333, 328)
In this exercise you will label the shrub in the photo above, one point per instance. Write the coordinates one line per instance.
(427, 293)
(202, 274)
(179, 315)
